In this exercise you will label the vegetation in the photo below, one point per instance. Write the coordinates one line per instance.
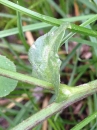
(63, 67)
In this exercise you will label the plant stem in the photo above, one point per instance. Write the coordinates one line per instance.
(25, 78)
(79, 93)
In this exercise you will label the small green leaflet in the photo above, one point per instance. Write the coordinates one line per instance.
(44, 58)
(7, 85)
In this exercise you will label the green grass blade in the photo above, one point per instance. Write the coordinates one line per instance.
(7, 118)
(83, 24)
(19, 24)
(82, 41)
(47, 19)
(31, 27)
(22, 112)
(93, 127)
(10, 23)
(30, 13)
(36, 3)
(65, 62)
(80, 29)
(14, 47)
(52, 124)
(56, 7)
(89, 5)
(37, 26)
(74, 71)
(71, 19)
(5, 15)
(85, 121)
(62, 4)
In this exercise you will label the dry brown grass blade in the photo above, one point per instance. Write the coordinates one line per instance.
(29, 36)
(76, 8)
(45, 103)
(19, 99)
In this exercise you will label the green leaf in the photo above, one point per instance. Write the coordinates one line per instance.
(44, 58)
(6, 84)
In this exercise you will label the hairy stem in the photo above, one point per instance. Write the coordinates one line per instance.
(80, 92)
(76, 93)
(25, 78)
